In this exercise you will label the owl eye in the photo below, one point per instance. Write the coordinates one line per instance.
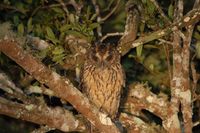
(109, 58)
(94, 57)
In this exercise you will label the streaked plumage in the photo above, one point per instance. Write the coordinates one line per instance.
(102, 78)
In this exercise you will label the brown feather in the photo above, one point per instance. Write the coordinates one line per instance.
(102, 78)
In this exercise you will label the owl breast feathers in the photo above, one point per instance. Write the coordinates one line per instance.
(102, 78)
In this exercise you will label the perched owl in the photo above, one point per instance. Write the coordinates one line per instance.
(102, 78)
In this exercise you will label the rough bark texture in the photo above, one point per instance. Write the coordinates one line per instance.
(62, 87)
(53, 117)
(139, 97)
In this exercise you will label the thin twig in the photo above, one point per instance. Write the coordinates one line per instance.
(77, 7)
(167, 53)
(64, 6)
(4, 6)
(111, 34)
(97, 11)
(196, 123)
(39, 90)
(111, 12)
(51, 6)
(165, 41)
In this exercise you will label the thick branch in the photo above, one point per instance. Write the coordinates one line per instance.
(136, 125)
(140, 97)
(62, 87)
(186, 97)
(53, 117)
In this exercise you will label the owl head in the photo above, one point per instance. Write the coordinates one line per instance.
(102, 55)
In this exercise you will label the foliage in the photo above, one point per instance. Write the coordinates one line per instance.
(49, 21)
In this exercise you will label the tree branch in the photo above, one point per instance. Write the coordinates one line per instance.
(140, 97)
(190, 18)
(131, 28)
(54, 117)
(111, 12)
(61, 86)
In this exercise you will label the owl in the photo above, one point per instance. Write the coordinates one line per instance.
(102, 78)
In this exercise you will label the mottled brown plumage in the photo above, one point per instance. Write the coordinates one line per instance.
(102, 78)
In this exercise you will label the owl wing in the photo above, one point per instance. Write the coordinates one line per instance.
(82, 84)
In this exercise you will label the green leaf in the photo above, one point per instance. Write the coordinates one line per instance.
(42, 54)
(54, 40)
(93, 17)
(139, 50)
(72, 18)
(142, 25)
(196, 35)
(20, 29)
(58, 58)
(29, 25)
(198, 27)
(58, 50)
(65, 27)
(150, 7)
(75, 33)
(94, 25)
(58, 10)
(62, 36)
(198, 49)
(171, 11)
(50, 33)
(38, 30)
(151, 67)
(88, 13)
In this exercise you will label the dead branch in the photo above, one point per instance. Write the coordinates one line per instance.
(111, 34)
(39, 90)
(131, 27)
(12, 91)
(7, 84)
